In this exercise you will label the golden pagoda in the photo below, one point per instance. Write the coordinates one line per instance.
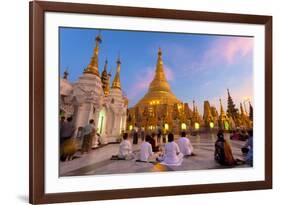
(224, 122)
(207, 116)
(159, 108)
(159, 91)
(93, 67)
(245, 121)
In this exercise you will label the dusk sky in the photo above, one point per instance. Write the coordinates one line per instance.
(199, 67)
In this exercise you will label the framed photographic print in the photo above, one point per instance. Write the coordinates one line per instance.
(139, 102)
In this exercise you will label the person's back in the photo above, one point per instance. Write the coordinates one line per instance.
(125, 148)
(145, 151)
(171, 153)
(184, 147)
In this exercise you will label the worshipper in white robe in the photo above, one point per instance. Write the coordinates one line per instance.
(172, 155)
(145, 149)
(125, 148)
(185, 145)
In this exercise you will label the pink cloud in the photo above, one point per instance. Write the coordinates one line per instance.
(142, 82)
(228, 50)
(169, 73)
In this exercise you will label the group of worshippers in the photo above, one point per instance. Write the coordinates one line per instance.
(69, 144)
(170, 153)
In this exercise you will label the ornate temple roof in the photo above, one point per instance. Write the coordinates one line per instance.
(159, 91)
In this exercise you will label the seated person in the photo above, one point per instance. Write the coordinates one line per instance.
(223, 152)
(145, 149)
(172, 154)
(185, 145)
(153, 143)
(248, 149)
(125, 149)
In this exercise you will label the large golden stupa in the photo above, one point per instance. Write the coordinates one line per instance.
(161, 109)
(159, 89)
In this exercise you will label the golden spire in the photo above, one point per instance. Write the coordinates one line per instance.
(193, 106)
(105, 80)
(222, 111)
(93, 67)
(159, 82)
(116, 81)
(159, 88)
(241, 109)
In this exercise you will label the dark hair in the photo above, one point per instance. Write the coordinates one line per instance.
(170, 137)
(220, 135)
(147, 138)
(250, 132)
(69, 119)
(183, 134)
(125, 136)
(91, 121)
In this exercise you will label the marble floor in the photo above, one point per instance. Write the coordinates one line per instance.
(98, 162)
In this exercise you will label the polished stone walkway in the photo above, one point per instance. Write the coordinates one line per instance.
(98, 162)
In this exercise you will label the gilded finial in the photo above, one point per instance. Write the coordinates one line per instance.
(98, 37)
(116, 81)
(92, 68)
(105, 65)
(65, 74)
(118, 59)
(159, 52)
(222, 111)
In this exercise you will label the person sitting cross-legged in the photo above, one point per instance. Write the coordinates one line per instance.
(125, 150)
(172, 155)
(145, 149)
(185, 145)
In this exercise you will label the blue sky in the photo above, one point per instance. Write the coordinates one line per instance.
(199, 67)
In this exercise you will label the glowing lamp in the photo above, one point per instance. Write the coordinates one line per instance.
(226, 126)
(212, 125)
(196, 125)
(130, 127)
(183, 126)
(166, 126)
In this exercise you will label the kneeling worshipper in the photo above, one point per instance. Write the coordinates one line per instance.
(145, 149)
(125, 150)
(172, 155)
(185, 145)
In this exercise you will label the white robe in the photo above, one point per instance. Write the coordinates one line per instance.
(172, 155)
(125, 148)
(145, 151)
(185, 146)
